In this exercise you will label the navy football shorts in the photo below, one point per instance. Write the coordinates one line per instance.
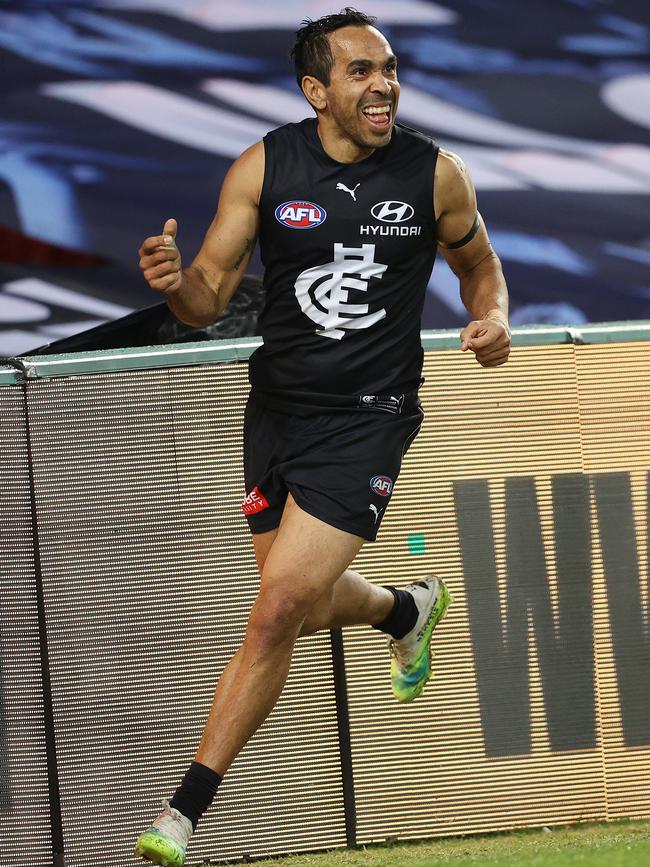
(340, 468)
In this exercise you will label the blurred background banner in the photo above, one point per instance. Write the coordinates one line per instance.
(115, 115)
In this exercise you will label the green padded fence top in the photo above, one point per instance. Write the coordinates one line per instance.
(240, 349)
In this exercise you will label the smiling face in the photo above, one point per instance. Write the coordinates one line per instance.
(357, 110)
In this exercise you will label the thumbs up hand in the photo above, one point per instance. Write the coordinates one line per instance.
(160, 259)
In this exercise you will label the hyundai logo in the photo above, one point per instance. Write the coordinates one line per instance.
(392, 212)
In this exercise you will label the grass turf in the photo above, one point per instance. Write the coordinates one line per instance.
(621, 844)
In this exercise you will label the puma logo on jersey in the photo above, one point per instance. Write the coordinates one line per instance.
(377, 512)
(323, 291)
(345, 189)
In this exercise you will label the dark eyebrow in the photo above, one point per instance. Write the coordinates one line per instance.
(359, 63)
(362, 62)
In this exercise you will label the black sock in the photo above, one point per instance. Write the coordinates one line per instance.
(196, 791)
(402, 617)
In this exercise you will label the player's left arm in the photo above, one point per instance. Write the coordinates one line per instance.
(465, 245)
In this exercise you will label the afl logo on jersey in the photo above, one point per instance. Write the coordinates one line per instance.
(300, 215)
(382, 485)
(392, 212)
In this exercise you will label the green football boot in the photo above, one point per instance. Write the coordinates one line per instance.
(165, 842)
(410, 666)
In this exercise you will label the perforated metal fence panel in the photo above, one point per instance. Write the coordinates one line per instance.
(24, 802)
(149, 575)
(614, 393)
(505, 735)
(527, 490)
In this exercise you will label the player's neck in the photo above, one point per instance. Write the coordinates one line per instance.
(340, 148)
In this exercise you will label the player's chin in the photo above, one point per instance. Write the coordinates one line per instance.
(378, 139)
(375, 135)
(383, 138)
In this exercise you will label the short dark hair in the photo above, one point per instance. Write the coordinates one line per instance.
(312, 53)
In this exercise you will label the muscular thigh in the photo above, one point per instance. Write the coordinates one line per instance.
(262, 543)
(306, 557)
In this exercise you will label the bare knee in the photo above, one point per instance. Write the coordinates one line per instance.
(275, 619)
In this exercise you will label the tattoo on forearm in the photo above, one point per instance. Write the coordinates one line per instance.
(242, 255)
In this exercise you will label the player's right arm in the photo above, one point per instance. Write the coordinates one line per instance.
(199, 294)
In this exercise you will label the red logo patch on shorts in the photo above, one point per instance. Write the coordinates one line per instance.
(254, 502)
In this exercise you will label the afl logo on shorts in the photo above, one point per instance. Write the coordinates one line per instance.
(300, 215)
(382, 485)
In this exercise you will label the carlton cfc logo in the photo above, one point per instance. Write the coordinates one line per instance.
(382, 485)
(300, 215)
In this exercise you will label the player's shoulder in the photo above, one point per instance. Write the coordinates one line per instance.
(451, 172)
(453, 186)
(246, 175)
(249, 164)
(251, 157)
(450, 168)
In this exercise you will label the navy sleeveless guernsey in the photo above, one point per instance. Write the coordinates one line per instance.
(348, 251)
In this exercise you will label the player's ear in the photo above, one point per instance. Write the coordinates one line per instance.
(314, 91)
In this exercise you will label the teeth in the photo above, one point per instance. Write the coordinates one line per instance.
(380, 109)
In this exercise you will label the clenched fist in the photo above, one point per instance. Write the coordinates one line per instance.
(488, 339)
(160, 259)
